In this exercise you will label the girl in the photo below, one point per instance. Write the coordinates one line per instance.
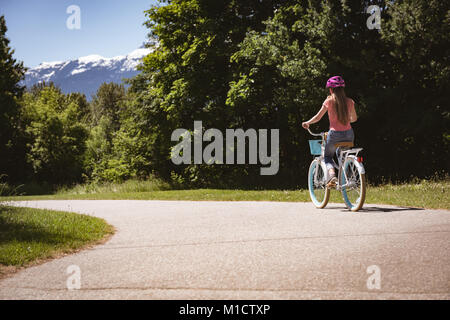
(341, 112)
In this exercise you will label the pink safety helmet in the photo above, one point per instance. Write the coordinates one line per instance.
(335, 82)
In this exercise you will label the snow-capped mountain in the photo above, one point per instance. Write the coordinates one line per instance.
(86, 74)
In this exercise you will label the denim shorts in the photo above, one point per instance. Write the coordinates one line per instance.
(333, 138)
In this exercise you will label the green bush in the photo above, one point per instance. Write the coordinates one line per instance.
(56, 135)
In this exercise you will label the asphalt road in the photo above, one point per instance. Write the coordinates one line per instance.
(248, 250)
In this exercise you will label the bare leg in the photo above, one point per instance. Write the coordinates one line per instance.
(331, 173)
(332, 178)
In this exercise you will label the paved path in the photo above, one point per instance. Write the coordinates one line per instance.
(248, 250)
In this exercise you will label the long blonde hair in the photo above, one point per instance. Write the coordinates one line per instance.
(340, 103)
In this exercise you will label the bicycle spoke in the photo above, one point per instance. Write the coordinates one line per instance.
(353, 189)
(317, 185)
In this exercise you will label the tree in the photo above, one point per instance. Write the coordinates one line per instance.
(56, 135)
(264, 64)
(11, 73)
(416, 117)
(108, 102)
(283, 71)
(394, 75)
(106, 110)
(187, 77)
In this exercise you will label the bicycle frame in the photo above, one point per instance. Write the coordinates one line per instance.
(342, 154)
(351, 180)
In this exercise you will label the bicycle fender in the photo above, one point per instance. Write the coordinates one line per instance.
(359, 165)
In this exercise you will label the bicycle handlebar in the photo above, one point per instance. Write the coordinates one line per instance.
(315, 134)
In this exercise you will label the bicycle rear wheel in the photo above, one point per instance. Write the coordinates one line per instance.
(317, 184)
(352, 178)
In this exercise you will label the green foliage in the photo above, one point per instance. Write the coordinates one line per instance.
(101, 158)
(5, 188)
(11, 73)
(108, 103)
(270, 74)
(187, 78)
(246, 64)
(415, 105)
(56, 135)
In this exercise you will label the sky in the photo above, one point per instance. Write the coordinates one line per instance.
(38, 29)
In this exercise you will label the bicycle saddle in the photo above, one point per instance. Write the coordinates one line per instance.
(344, 144)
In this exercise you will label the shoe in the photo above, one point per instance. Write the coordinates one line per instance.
(332, 183)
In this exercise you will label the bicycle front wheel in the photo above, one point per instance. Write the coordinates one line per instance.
(317, 184)
(353, 182)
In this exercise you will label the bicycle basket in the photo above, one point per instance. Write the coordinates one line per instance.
(316, 147)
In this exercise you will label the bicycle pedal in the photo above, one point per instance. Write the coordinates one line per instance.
(332, 183)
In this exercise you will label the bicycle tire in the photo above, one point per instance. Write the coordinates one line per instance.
(355, 194)
(318, 192)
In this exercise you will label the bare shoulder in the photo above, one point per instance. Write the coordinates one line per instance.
(327, 101)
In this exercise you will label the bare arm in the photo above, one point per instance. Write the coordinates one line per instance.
(316, 118)
(353, 116)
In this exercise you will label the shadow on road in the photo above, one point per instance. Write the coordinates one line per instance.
(377, 209)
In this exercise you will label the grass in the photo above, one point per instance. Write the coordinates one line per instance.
(29, 236)
(423, 194)
(129, 186)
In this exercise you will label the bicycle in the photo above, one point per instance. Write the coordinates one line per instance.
(351, 174)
